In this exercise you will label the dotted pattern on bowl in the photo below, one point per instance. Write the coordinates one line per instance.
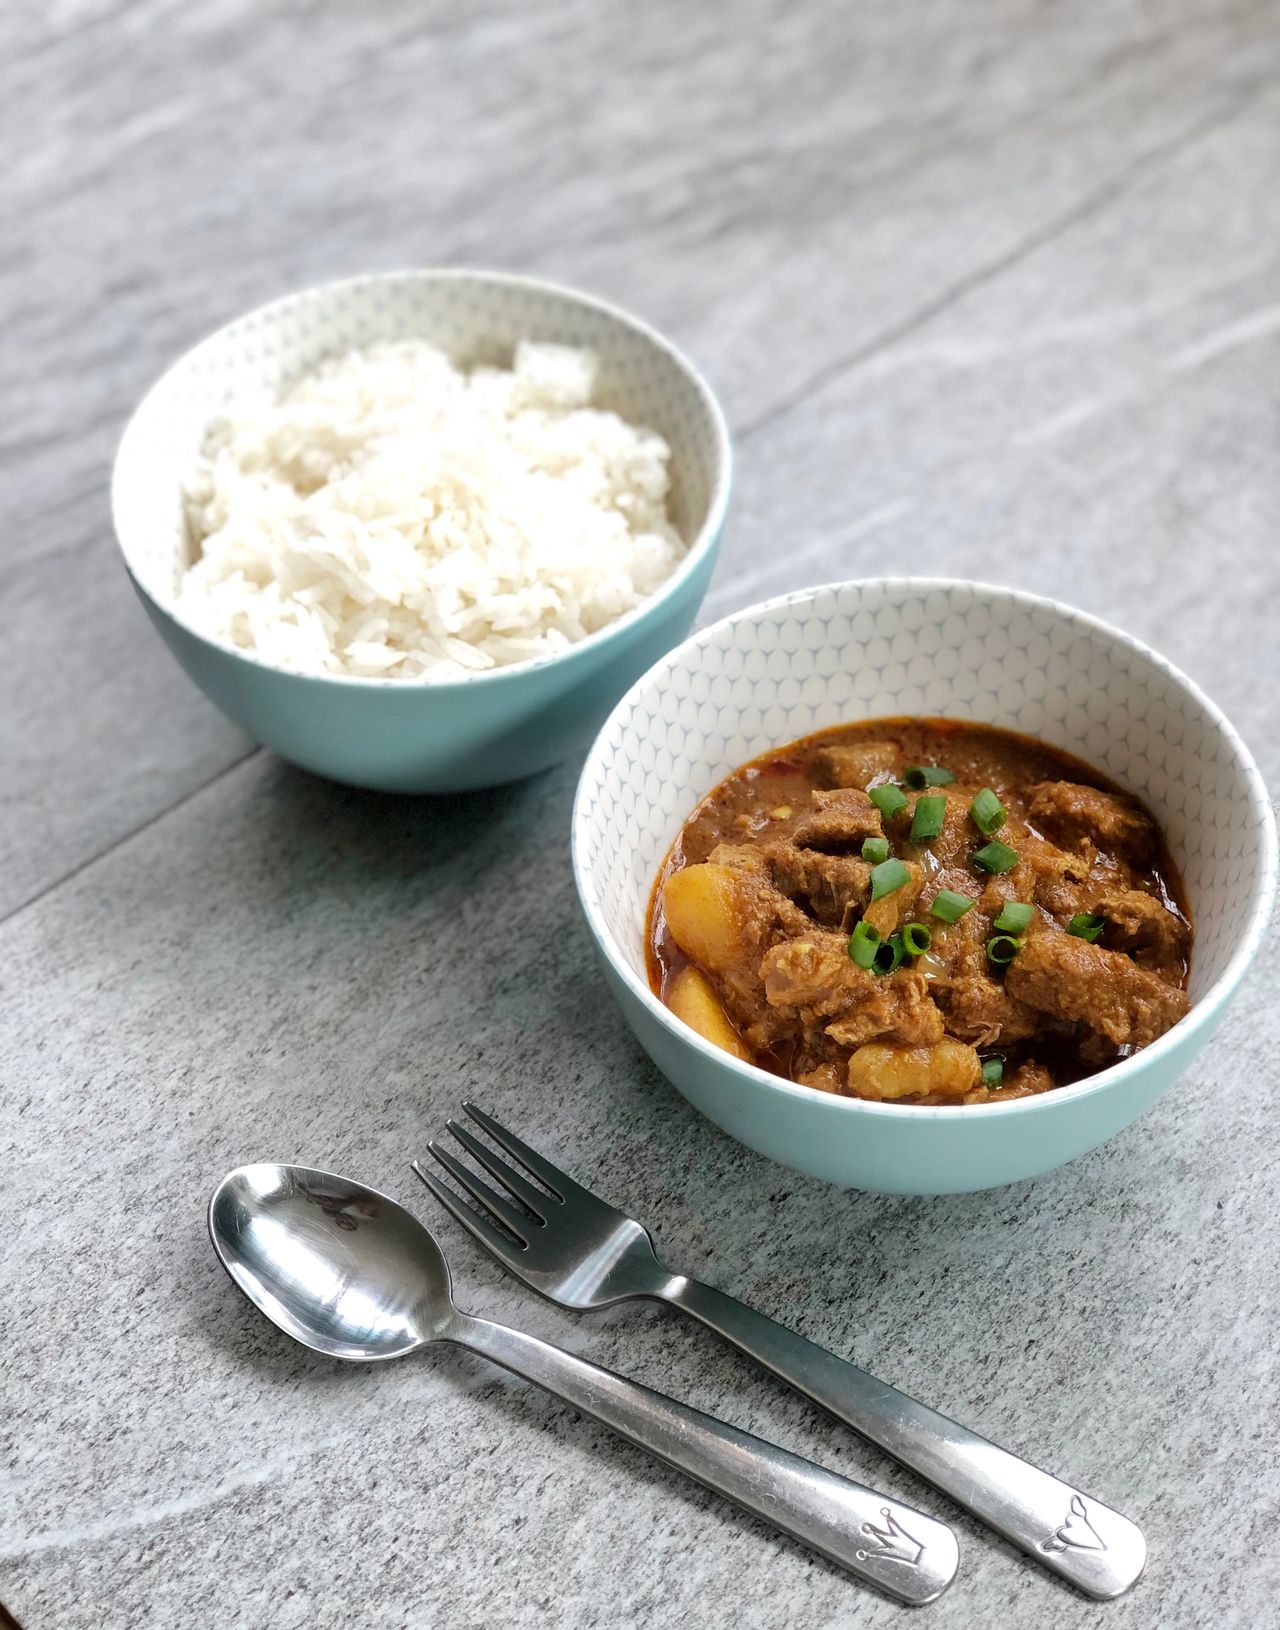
(834, 655)
(475, 317)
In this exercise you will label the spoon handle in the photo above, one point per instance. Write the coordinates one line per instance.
(888, 1544)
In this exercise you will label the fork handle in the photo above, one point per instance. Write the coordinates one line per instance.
(888, 1544)
(1076, 1537)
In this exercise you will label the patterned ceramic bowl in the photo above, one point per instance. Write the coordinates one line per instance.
(834, 655)
(407, 735)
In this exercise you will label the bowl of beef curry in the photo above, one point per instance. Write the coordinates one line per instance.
(921, 911)
(921, 886)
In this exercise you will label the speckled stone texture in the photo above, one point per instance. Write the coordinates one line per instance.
(989, 289)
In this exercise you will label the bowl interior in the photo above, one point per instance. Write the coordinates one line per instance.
(474, 317)
(961, 650)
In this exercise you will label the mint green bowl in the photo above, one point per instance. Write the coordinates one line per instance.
(834, 655)
(420, 735)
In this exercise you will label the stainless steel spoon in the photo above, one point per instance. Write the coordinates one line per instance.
(348, 1272)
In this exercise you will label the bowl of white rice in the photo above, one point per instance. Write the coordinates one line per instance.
(419, 532)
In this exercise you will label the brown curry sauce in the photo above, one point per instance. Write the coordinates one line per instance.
(1071, 1009)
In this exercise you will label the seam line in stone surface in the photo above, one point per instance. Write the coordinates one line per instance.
(1092, 204)
(125, 837)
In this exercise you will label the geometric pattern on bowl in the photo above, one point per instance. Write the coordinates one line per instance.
(475, 317)
(883, 647)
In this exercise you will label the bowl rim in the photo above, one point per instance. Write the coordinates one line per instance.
(1203, 1012)
(696, 551)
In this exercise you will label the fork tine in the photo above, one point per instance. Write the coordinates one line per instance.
(561, 1185)
(511, 1180)
(493, 1239)
(488, 1199)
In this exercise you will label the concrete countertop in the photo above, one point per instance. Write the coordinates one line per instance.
(989, 289)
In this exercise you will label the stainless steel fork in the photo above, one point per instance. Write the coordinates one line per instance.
(581, 1252)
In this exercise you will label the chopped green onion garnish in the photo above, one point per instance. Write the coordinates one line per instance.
(988, 812)
(890, 800)
(927, 775)
(863, 943)
(1002, 948)
(992, 1072)
(875, 850)
(916, 939)
(949, 906)
(887, 876)
(1086, 925)
(1015, 918)
(926, 820)
(889, 954)
(996, 857)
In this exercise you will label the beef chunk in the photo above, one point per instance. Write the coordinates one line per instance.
(855, 766)
(1104, 990)
(1138, 923)
(1046, 875)
(742, 857)
(814, 978)
(997, 891)
(1059, 889)
(977, 1007)
(837, 822)
(812, 975)
(1072, 814)
(898, 1009)
(771, 912)
(981, 1011)
(956, 878)
(832, 887)
(1028, 1078)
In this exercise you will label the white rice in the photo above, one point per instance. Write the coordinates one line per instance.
(392, 516)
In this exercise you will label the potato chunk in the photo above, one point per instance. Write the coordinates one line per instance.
(706, 914)
(947, 1069)
(691, 998)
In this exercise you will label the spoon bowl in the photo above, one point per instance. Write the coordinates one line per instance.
(338, 1266)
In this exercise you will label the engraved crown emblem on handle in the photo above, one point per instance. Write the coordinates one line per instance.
(893, 1542)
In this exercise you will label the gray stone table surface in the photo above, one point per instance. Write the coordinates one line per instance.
(989, 288)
